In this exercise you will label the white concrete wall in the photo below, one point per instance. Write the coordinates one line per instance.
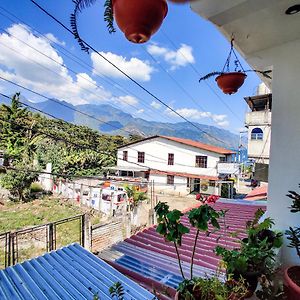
(260, 149)
(156, 157)
(284, 172)
(179, 188)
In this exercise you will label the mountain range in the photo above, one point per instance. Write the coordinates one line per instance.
(111, 120)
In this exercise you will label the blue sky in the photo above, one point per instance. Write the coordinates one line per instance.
(198, 43)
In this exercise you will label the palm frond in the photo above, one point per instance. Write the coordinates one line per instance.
(212, 74)
(109, 16)
(79, 6)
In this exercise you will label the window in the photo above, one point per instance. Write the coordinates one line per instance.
(125, 155)
(141, 157)
(257, 134)
(170, 179)
(201, 161)
(223, 159)
(188, 182)
(171, 159)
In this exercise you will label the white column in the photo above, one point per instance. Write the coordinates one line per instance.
(284, 172)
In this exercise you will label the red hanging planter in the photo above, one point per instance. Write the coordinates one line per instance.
(139, 19)
(230, 82)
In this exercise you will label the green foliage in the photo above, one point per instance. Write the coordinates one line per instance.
(18, 182)
(293, 234)
(256, 252)
(35, 187)
(169, 224)
(202, 216)
(212, 289)
(135, 195)
(117, 291)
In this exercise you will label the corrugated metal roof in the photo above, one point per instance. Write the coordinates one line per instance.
(68, 273)
(149, 255)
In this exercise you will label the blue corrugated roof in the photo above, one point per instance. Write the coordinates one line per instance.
(68, 273)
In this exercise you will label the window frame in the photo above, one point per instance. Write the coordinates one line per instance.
(170, 159)
(125, 155)
(141, 157)
(170, 179)
(199, 163)
(257, 136)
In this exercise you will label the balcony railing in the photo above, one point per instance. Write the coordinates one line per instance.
(228, 168)
(258, 117)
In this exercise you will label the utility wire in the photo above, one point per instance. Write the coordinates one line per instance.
(82, 63)
(198, 74)
(125, 74)
(88, 147)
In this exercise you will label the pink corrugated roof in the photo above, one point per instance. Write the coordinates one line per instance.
(148, 247)
(258, 193)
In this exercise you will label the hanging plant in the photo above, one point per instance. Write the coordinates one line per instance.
(230, 81)
(137, 19)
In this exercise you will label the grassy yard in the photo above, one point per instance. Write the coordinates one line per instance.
(14, 216)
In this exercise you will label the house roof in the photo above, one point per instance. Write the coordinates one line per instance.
(149, 259)
(258, 193)
(259, 102)
(188, 142)
(188, 175)
(68, 273)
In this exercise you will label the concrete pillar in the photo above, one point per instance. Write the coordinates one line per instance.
(284, 172)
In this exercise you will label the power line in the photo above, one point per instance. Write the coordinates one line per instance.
(124, 73)
(198, 74)
(81, 62)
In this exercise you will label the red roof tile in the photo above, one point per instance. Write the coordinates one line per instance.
(258, 193)
(188, 142)
(199, 145)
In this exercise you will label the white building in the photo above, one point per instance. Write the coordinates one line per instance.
(267, 35)
(258, 122)
(176, 165)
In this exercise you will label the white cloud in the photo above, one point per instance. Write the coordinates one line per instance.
(134, 67)
(127, 100)
(177, 59)
(140, 111)
(27, 67)
(155, 104)
(54, 39)
(196, 115)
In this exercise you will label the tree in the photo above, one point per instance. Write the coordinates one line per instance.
(18, 181)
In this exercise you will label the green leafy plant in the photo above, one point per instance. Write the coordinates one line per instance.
(135, 195)
(256, 253)
(211, 288)
(293, 234)
(203, 219)
(117, 291)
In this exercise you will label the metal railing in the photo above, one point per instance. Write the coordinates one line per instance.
(17, 246)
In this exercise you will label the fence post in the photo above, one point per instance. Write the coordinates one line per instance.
(14, 248)
(51, 237)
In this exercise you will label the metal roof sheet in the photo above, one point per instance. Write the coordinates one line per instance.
(148, 254)
(68, 273)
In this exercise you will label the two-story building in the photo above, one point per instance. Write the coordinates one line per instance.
(174, 164)
(258, 122)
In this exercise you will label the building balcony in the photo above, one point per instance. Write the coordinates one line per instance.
(256, 118)
(228, 168)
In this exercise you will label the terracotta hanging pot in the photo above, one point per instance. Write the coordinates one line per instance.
(139, 19)
(230, 82)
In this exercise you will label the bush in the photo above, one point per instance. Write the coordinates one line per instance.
(36, 188)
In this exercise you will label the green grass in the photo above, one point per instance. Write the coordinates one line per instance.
(14, 216)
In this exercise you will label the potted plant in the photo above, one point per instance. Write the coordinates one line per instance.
(292, 274)
(229, 81)
(256, 253)
(170, 226)
(137, 19)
